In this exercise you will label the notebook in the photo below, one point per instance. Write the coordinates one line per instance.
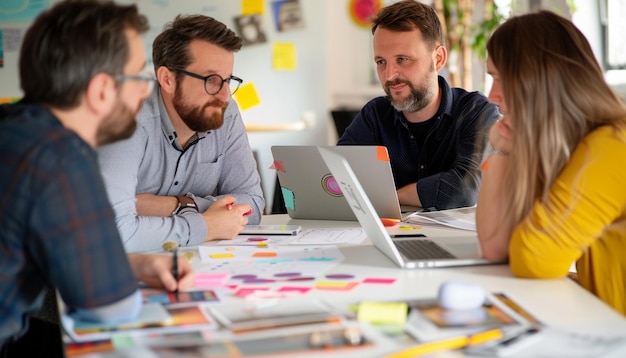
(311, 192)
(413, 252)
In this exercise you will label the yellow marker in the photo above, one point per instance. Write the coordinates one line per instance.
(222, 255)
(483, 337)
(262, 244)
(448, 344)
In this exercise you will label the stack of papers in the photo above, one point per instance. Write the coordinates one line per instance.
(462, 218)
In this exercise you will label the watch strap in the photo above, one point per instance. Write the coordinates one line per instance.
(185, 205)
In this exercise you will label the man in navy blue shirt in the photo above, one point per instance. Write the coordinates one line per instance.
(434, 134)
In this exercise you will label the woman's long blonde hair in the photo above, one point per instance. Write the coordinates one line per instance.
(555, 95)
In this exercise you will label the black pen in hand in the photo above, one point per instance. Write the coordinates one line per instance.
(175, 271)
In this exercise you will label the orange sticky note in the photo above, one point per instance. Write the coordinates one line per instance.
(382, 154)
(264, 254)
(222, 255)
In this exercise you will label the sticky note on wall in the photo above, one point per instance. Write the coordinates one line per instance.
(284, 56)
(249, 7)
(247, 96)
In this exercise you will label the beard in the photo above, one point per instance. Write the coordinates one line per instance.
(197, 118)
(117, 125)
(418, 98)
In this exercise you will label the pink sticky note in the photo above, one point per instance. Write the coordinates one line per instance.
(278, 166)
(383, 281)
(217, 276)
(294, 288)
(243, 292)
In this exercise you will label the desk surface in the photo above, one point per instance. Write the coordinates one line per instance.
(557, 303)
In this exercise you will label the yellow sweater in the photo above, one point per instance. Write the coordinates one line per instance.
(584, 222)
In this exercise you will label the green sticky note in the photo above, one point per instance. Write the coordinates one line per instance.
(290, 199)
(382, 312)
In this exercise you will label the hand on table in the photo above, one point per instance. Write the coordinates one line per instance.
(156, 271)
(224, 219)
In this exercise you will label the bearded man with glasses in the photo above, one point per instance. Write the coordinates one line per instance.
(188, 174)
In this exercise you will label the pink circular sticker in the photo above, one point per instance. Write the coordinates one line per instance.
(330, 185)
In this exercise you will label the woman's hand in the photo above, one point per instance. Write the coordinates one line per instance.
(501, 135)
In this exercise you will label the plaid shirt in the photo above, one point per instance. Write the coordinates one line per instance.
(56, 223)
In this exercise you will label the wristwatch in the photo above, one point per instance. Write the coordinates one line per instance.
(185, 205)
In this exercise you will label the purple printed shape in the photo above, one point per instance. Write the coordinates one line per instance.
(301, 279)
(287, 274)
(340, 276)
(258, 280)
(244, 277)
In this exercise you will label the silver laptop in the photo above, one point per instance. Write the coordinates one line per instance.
(311, 192)
(414, 252)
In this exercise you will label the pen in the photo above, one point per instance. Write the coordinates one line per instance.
(448, 344)
(175, 270)
(230, 206)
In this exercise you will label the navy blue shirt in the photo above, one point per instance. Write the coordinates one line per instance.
(56, 224)
(446, 166)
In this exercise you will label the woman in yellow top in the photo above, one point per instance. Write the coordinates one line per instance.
(554, 184)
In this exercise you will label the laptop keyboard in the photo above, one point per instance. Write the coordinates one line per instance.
(422, 249)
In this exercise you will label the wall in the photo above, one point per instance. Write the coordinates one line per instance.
(334, 65)
(286, 96)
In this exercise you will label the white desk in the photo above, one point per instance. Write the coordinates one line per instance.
(560, 303)
(557, 303)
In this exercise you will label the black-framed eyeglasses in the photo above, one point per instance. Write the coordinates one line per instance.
(213, 83)
(145, 76)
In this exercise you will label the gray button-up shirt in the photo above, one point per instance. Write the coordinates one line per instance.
(220, 162)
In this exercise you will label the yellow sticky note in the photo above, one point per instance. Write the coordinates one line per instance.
(284, 56)
(247, 96)
(249, 7)
(409, 227)
(331, 283)
(382, 312)
(222, 255)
